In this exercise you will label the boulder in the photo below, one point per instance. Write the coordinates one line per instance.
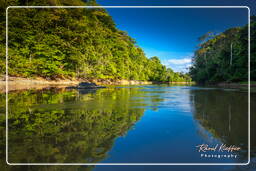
(87, 85)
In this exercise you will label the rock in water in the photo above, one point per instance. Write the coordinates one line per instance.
(86, 85)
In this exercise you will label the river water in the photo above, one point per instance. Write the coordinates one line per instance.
(127, 124)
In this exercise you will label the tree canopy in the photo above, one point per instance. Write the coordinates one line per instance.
(74, 43)
(224, 57)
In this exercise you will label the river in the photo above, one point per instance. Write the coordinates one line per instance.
(127, 124)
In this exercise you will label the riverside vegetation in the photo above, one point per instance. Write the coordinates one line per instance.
(85, 44)
(74, 44)
(78, 125)
(223, 57)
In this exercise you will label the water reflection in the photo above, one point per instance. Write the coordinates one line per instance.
(69, 126)
(224, 114)
(58, 125)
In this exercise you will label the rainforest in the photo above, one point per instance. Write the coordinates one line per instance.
(75, 43)
(82, 88)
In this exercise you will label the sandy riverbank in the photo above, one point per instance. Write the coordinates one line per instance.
(18, 83)
(15, 83)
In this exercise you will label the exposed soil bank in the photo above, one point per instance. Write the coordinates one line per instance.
(18, 83)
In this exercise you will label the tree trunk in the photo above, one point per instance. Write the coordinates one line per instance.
(231, 53)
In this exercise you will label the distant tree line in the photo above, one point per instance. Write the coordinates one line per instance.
(224, 57)
(74, 43)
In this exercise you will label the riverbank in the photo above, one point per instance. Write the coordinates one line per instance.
(18, 83)
(236, 85)
(240, 85)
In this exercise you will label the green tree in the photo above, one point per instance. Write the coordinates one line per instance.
(72, 43)
(224, 57)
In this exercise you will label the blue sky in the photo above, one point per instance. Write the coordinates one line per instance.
(172, 34)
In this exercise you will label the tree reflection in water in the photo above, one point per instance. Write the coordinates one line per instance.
(62, 126)
(58, 125)
(225, 115)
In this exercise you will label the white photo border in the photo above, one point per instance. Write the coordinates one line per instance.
(9, 7)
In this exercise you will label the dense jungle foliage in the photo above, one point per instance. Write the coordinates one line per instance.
(224, 57)
(74, 43)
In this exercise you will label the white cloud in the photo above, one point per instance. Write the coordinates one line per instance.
(178, 65)
(179, 61)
